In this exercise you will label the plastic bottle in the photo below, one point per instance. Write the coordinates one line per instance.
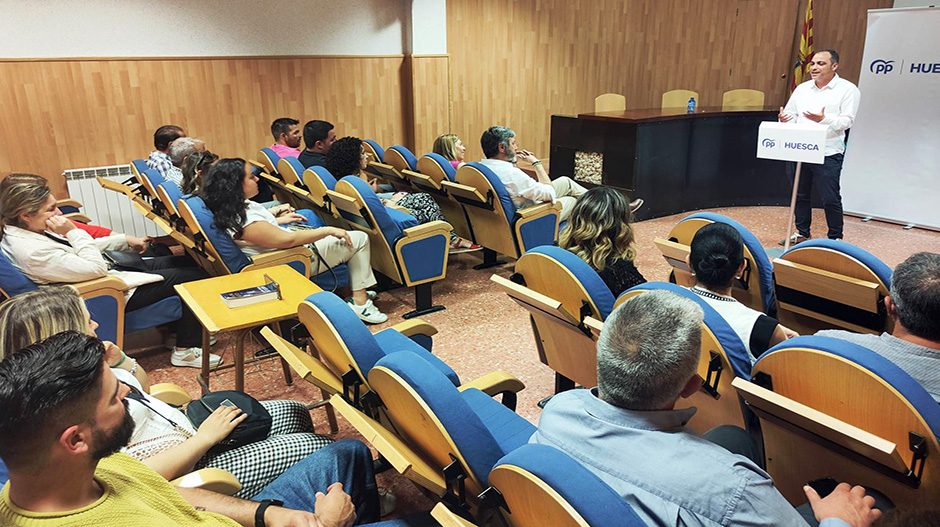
(690, 108)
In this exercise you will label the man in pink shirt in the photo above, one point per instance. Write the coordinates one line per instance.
(287, 136)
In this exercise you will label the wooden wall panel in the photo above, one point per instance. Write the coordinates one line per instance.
(517, 63)
(74, 114)
(431, 95)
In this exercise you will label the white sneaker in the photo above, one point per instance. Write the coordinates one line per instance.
(368, 312)
(370, 295)
(386, 502)
(192, 358)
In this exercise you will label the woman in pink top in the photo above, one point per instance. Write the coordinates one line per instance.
(450, 148)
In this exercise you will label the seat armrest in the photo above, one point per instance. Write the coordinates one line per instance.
(495, 383)
(78, 216)
(282, 257)
(463, 191)
(539, 210)
(98, 286)
(428, 229)
(446, 518)
(170, 393)
(415, 326)
(213, 479)
(68, 202)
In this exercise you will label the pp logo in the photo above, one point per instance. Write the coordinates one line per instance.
(768, 143)
(881, 66)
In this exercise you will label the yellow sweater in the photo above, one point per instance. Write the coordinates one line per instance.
(134, 496)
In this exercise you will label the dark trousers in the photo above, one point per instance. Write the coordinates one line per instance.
(826, 177)
(174, 270)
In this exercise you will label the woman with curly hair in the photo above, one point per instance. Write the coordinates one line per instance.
(194, 168)
(226, 191)
(599, 233)
(451, 148)
(347, 158)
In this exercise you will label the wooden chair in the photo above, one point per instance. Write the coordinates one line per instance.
(610, 102)
(743, 98)
(266, 168)
(828, 407)
(432, 171)
(386, 164)
(72, 209)
(407, 252)
(723, 358)
(497, 225)
(679, 98)
(755, 288)
(824, 284)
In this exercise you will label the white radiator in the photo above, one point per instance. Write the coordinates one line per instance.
(104, 207)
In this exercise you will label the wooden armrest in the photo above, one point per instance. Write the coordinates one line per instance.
(495, 383)
(463, 191)
(596, 326)
(448, 518)
(415, 326)
(121, 188)
(428, 229)
(421, 179)
(78, 216)
(282, 257)
(398, 453)
(308, 367)
(213, 479)
(840, 288)
(538, 210)
(386, 171)
(68, 202)
(343, 202)
(536, 300)
(254, 163)
(674, 253)
(105, 284)
(170, 393)
(774, 406)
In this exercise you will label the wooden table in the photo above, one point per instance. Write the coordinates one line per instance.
(203, 298)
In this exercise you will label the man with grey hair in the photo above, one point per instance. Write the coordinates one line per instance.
(628, 432)
(180, 149)
(914, 306)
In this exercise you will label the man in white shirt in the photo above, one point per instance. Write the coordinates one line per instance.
(832, 101)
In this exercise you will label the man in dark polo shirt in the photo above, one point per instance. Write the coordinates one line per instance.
(318, 138)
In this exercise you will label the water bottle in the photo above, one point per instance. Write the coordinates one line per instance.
(690, 108)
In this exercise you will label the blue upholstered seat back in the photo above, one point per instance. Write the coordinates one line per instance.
(325, 176)
(232, 256)
(596, 289)
(594, 500)
(473, 438)
(735, 349)
(4, 473)
(379, 151)
(881, 367)
(296, 165)
(140, 165)
(881, 269)
(173, 191)
(765, 269)
(445, 165)
(272, 155)
(509, 208)
(391, 222)
(153, 176)
(12, 281)
(409, 157)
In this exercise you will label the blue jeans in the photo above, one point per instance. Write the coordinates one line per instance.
(826, 177)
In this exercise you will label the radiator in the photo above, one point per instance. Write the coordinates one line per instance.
(106, 208)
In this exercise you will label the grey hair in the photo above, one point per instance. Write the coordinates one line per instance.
(648, 350)
(915, 290)
(181, 148)
(493, 137)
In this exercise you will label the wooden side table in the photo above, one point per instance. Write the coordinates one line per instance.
(203, 298)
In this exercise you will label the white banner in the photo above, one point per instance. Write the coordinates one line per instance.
(892, 160)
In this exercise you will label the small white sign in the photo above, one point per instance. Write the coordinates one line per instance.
(804, 142)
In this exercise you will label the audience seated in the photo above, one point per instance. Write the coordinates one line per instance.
(914, 305)
(194, 168)
(319, 137)
(159, 159)
(628, 433)
(65, 419)
(180, 149)
(716, 258)
(348, 158)
(164, 439)
(451, 148)
(94, 230)
(287, 136)
(599, 232)
(226, 192)
(48, 248)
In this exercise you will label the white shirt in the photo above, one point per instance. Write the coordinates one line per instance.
(740, 317)
(254, 212)
(523, 190)
(839, 98)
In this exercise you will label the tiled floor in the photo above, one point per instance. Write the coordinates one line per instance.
(482, 330)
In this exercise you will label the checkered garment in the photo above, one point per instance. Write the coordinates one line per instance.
(258, 464)
(160, 162)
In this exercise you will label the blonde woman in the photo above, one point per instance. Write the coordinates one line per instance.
(599, 232)
(451, 148)
(163, 438)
